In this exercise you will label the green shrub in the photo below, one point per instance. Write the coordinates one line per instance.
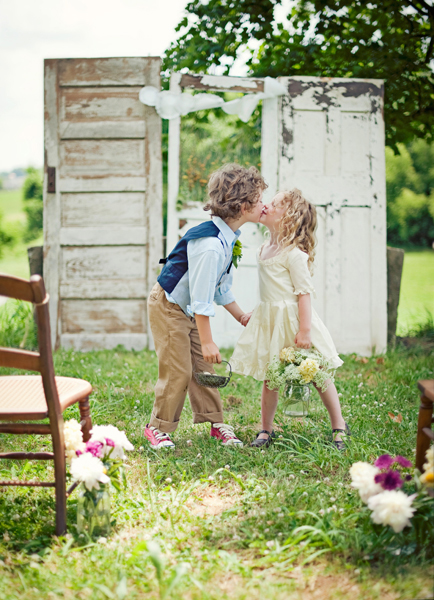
(17, 326)
(410, 185)
(6, 237)
(33, 205)
(413, 215)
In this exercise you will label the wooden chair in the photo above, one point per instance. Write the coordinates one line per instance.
(424, 431)
(38, 397)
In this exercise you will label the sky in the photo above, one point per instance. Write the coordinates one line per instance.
(31, 30)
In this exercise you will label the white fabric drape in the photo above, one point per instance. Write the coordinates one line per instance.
(170, 106)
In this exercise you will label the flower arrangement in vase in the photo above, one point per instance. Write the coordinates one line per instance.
(381, 486)
(96, 464)
(292, 371)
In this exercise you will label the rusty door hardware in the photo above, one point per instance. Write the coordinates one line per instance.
(51, 180)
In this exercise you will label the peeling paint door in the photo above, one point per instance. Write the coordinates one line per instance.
(326, 137)
(102, 200)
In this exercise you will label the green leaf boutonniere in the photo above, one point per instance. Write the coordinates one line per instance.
(237, 253)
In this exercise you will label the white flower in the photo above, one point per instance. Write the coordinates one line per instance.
(308, 369)
(321, 512)
(270, 544)
(362, 475)
(73, 437)
(89, 470)
(102, 432)
(168, 480)
(392, 507)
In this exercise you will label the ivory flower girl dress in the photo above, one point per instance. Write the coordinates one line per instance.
(275, 322)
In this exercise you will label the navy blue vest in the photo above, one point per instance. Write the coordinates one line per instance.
(176, 264)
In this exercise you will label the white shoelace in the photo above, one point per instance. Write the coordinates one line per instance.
(161, 436)
(225, 429)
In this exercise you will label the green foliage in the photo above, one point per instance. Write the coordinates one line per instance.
(17, 326)
(410, 194)
(207, 142)
(390, 40)
(413, 214)
(6, 239)
(33, 204)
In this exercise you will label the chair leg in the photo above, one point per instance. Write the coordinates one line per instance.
(86, 421)
(60, 490)
(422, 441)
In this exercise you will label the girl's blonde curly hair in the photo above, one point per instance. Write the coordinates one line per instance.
(298, 224)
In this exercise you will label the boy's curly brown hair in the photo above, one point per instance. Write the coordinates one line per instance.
(231, 187)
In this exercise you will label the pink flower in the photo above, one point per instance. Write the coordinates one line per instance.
(110, 442)
(384, 461)
(404, 462)
(94, 448)
(389, 480)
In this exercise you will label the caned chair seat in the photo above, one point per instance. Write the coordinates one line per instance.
(22, 396)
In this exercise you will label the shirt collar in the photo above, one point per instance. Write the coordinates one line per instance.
(229, 235)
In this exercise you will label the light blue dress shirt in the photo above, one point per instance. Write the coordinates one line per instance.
(207, 280)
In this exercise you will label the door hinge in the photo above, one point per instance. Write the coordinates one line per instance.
(51, 180)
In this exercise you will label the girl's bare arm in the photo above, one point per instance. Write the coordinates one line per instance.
(303, 339)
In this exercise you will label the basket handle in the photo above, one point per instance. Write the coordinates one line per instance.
(230, 368)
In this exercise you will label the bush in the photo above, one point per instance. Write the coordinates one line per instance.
(6, 239)
(413, 214)
(33, 205)
(410, 194)
(17, 326)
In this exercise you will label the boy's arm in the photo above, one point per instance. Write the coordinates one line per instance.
(303, 339)
(210, 350)
(234, 310)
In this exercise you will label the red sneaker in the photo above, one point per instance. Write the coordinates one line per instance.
(157, 438)
(225, 433)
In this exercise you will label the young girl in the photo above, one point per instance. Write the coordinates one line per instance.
(284, 317)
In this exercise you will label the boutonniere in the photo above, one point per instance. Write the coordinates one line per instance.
(237, 253)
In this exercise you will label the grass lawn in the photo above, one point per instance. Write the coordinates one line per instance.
(282, 523)
(417, 290)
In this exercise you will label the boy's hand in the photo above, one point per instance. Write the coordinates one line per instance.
(211, 353)
(302, 340)
(245, 318)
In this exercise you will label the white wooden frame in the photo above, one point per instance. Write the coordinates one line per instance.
(277, 158)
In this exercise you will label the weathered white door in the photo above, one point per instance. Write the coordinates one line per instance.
(102, 200)
(326, 137)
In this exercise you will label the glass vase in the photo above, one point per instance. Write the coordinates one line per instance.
(296, 400)
(93, 511)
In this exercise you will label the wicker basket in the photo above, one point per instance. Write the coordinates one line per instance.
(213, 380)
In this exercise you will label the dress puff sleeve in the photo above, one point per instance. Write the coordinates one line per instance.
(296, 264)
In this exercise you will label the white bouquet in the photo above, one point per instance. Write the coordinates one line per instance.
(296, 366)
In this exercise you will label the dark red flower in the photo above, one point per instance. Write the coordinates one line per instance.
(94, 448)
(390, 480)
(404, 462)
(384, 461)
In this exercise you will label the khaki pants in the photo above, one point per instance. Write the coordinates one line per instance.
(179, 352)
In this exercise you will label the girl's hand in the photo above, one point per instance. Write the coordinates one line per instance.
(245, 318)
(302, 340)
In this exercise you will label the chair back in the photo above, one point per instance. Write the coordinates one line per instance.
(33, 291)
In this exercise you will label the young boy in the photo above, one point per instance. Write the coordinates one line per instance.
(197, 272)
